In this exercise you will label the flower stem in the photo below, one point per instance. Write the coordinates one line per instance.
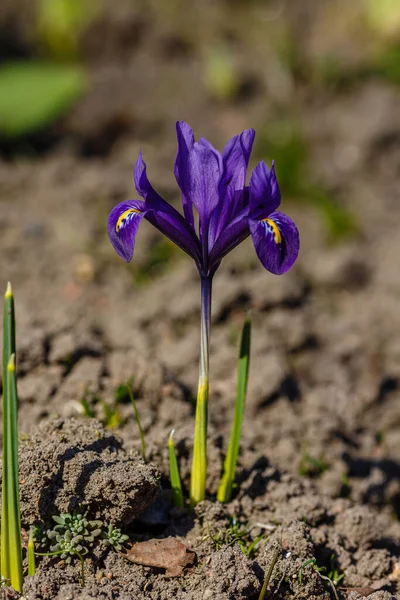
(199, 464)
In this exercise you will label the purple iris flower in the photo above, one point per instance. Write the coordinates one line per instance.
(228, 210)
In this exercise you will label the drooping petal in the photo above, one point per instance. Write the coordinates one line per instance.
(276, 240)
(144, 187)
(235, 160)
(265, 196)
(185, 146)
(177, 231)
(123, 224)
(164, 216)
(234, 234)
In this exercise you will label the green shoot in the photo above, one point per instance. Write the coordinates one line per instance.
(311, 466)
(228, 479)
(333, 577)
(11, 544)
(174, 473)
(87, 409)
(31, 553)
(139, 424)
(269, 574)
(237, 533)
(111, 415)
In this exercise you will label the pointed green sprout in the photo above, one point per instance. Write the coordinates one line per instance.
(31, 553)
(228, 479)
(174, 473)
(11, 545)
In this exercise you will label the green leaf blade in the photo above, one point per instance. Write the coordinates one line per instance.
(11, 545)
(228, 479)
(174, 473)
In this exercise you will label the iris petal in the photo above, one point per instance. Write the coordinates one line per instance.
(276, 241)
(265, 196)
(235, 232)
(164, 216)
(203, 168)
(123, 224)
(235, 160)
(185, 146)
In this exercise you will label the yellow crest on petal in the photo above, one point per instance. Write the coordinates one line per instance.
(124, 217)
(275, 230)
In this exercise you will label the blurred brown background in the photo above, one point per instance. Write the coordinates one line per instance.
(85, 84)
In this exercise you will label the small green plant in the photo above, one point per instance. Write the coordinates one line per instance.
(11, 543)
(174, 473)
(311, 466)
(228, 479)
(237, 532)
(114, 538)
(333, 578)
(72, 535)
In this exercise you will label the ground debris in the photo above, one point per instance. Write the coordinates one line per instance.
(168, 553)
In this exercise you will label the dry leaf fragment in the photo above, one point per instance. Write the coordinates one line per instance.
(168, 553)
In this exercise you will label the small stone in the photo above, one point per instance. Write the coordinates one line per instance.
(84, 268)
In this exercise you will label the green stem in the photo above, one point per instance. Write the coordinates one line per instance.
(199, 464)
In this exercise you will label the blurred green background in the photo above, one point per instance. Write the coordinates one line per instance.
(83, 75)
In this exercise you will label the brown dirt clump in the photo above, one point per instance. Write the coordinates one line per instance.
(76, 464)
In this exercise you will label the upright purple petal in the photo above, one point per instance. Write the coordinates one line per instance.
(123, 224)
(203, 176)
(235, 160)
(164, 216)
(276, 240)
(185, 146)
(208, 145)
(265, 196)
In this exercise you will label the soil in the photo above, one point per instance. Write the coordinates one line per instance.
(319, 472)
